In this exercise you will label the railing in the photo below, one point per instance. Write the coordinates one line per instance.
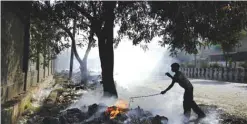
(221, 74)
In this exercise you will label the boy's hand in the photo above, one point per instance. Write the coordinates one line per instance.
(162, 92)
(168, 74)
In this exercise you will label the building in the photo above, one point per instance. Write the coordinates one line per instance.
(214, 54)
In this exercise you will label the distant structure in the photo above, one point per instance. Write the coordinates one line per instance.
(214, 54)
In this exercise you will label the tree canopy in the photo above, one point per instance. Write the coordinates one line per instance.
(185, 23)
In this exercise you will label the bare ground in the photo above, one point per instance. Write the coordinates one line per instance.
(231, 97)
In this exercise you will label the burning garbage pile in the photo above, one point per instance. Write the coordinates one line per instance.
(117, 114)
(119, 108)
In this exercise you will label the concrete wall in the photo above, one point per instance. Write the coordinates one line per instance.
(14, 48)
(238, 75)
(12, 45)
(20, 77)
(11, 110)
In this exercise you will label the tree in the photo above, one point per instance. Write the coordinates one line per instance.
(45, 37)
(65, 12)
(184, 23)
(227, 47)
(60, 15)
(100, 18)
(102, 22)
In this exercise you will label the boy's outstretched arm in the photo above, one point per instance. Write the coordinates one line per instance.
(168, 88)
(171, 85)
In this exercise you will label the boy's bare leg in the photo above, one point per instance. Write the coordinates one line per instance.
(197, 110)
(187, 109)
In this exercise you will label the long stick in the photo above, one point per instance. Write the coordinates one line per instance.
(144, 96)
(131, 99)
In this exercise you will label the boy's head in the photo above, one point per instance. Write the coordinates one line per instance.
(175, 67)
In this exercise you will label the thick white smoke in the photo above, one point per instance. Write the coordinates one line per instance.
(135, 74)
(134, 66)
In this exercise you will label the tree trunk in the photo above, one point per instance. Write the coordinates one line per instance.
(26, 48)
(72, 53)
(72, 37)
(83, 63)
(71, 63)
(74, 45)
(106, 50)
(38, 63)
(83, 68)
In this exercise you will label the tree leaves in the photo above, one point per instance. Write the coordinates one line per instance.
(44, 35)
(186, 22)
(182, 25)
(50, 24)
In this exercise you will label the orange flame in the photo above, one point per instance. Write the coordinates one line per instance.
(121, 104)
(120, 107)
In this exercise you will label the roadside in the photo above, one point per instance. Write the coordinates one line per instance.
(68, 101)
(231, 97)
(63, 93)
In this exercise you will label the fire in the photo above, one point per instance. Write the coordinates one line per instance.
(120, 107)
(121, 104)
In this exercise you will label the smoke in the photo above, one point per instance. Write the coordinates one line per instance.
(133, 66)
(63, 60)
(138, 72)
(91, 97)
(168, 105)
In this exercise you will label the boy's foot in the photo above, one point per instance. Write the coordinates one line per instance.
(201, 116)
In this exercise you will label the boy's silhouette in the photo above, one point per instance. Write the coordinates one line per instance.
(188, 102)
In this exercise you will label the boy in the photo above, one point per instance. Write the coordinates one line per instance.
(188, 102)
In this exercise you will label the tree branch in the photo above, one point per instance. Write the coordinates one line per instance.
(83, 12)
(72, 39)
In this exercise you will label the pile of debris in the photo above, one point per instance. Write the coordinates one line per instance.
(63, 73)
(58, 98)
(102, 114)
(92, 77)
(70, 93)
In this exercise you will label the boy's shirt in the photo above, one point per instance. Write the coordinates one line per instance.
(182, 80)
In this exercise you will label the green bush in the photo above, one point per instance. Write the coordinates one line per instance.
(190, 65)
(243, 65)
(182, 65)
(204, 65)
(215, 65)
